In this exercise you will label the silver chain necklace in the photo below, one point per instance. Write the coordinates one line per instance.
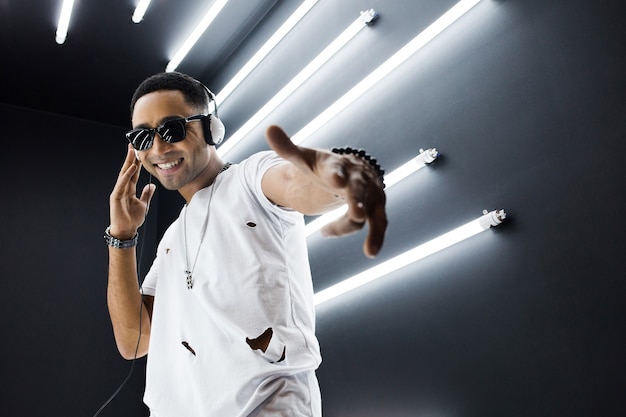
(189, 272)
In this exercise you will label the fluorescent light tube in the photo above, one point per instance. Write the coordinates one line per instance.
(424, 157)
(265, 49)
(140, 10)
(397, 175)
(208, 18)
(64, 21)
(383, 70)
(486, 221)
(298, 80)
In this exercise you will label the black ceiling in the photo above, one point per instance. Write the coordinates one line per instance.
(93, 74)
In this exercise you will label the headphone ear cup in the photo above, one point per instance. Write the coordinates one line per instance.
(206, 129)
(217, 130)
(214, 130)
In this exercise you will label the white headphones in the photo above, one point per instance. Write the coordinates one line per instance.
(214, 130)
(217, 129)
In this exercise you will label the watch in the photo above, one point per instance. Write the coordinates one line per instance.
(117, 243)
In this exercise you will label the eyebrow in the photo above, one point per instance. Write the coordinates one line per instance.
(163, 120)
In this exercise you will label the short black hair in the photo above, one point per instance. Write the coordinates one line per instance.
(194, 91)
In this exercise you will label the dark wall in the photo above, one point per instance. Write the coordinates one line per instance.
(525, 100)
(58, 354)
(526, 319)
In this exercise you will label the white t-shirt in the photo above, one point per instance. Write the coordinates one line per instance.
(252, 273)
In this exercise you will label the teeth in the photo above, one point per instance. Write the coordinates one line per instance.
(168, 165)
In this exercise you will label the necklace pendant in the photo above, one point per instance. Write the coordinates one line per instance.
(189, 280)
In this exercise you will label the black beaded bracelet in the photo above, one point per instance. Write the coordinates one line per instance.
(364, 156)
(118, 243)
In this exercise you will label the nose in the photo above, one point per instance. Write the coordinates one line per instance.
(159, 145)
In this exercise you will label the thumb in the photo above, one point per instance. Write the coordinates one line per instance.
(281, 143)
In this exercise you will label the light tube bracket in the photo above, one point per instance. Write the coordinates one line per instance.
(491, 218)
(427, 156)
(368, 16)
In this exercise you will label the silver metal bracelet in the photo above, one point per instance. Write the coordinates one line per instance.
(118, 243)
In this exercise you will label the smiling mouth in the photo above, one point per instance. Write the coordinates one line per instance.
(169, 165)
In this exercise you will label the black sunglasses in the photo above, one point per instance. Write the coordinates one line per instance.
(171, 131)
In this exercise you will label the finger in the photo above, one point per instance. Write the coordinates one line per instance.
(127, 179)
(303, 158)
(122, 185)
(374, 215)
(376, 218)
(363, 190)
(281, 143)
(377, 223)
(132, 161)
(341, 227)
(131, 156)
(327, 168)
(134, 178)
(147, 194)
(356, 196)
(128, 161)
(377, 226)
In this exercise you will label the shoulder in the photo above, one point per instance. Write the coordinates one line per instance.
(261, 161)
(257, 168)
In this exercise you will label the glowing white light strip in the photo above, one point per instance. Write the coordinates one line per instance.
(420, 161)
(140, 10)
(265, 49)
(383, 70)
(64, 21)
(292, 85)
(446, 240)
(208, 18)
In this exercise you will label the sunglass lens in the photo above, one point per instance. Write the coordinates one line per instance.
(141, 139)
(172, 131)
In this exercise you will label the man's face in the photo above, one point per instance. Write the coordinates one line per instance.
(178, 164)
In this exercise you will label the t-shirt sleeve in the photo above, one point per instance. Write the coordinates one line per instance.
(253, 170)
(148, 286)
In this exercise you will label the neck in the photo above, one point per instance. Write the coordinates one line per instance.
(206, 177)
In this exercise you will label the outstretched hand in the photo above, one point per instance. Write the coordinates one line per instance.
(127, 211)
(346, 176)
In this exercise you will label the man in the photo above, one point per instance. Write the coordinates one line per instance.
(226, 311)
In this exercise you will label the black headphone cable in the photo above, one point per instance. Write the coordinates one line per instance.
(132, 364)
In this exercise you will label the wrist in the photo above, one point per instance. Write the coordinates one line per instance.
(119, 243)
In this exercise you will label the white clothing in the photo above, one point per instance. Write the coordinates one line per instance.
(252, 273)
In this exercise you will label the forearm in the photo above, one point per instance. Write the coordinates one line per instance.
(125, 304)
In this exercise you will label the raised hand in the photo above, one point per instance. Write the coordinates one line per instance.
(347, 176)
(127, 211)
